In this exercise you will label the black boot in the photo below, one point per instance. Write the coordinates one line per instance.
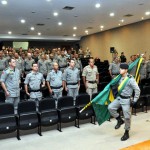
(125, 136)
(119, 122)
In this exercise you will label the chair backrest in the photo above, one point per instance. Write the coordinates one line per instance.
(6, 109)
(2, 96)
(82, 99)
(94, 95)
(46, 104)
(26, 106)
(146, 90)
(65, 101)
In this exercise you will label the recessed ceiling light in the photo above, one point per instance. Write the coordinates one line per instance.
(122, 20)
(102, 27)
(74, 28)
(4, 2)
(9, 32)
(48, 0)
(119, 24)
(97, 5)
(59, 23)
(74, 35)
(55, 13)
(32, 28)
(86, 31)
(142, 18)
(39, 33)
(147, 13)
(22, 21)
(112, 14)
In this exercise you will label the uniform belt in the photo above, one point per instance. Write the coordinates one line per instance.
(53, 87)
(92, 82)
(39, 90)
(74, 83)
(63, 67)
(125, 97)
(27, 69)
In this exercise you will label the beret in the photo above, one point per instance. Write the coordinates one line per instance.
(124, 66)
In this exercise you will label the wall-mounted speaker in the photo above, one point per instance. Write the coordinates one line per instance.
(112, 50)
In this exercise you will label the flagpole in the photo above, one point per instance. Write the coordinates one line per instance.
(85, 107)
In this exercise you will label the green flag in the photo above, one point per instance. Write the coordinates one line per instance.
(103, 99)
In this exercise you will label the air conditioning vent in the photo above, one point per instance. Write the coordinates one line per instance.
(68, 8)
(128, 15)
(40, 24)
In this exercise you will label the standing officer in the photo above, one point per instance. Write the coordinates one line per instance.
(123, 100)
(28, 63)
(72, 80)
(10, 80)
(34, 79)
(50, 62)
(90, 77)
(55, 82)
(143, 69)
(42, 65)
(3, 62)
(62, 61)
(78, 63)
(148, 69)
(133, 71)
(19, 63)
(123, 58)
(114, 67)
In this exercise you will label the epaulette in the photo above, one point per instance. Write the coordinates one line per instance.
(6, 69)
(129, 75)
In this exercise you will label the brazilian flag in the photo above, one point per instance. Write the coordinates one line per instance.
(103, 99)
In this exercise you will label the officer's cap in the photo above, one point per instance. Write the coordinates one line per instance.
(124, 66)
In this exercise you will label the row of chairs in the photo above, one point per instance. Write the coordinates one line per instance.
(144, 100)
(28, 118)
(48, 115)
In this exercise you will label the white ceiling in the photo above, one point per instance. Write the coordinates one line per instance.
(84, 15)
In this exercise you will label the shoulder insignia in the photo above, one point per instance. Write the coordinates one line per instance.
(6, 69)
(129, 75)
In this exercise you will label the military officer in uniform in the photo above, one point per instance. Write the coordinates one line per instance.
(42, 66)
(10, 80)
(78, 63)
(133, 71)
(19, 63)
(143, 69)
(62, 61)
(36, 81)
(55, 82)
(3, 62)
(28, 63)
(90, 77)
(50, 62)
(114, 67)
(148, 69)
(124, 100)
(71, 80)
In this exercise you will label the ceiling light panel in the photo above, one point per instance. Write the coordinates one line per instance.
(22, 21)
(97, 5)
(4, 2)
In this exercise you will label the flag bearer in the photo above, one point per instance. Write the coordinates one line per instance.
(128, 83)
